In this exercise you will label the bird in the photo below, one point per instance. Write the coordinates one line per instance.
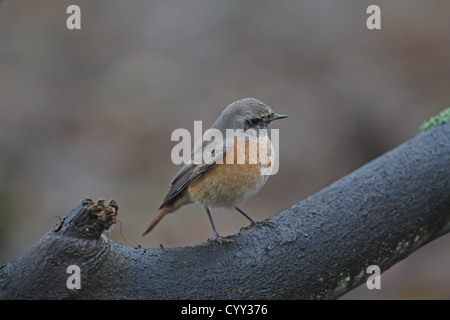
(225, 181)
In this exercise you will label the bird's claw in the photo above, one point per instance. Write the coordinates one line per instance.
(260, 224)
(221, 240)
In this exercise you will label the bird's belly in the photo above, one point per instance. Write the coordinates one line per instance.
(229, 183)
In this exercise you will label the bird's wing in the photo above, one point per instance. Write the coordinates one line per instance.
(204, 156)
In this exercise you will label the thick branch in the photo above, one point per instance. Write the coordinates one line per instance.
(320, 247)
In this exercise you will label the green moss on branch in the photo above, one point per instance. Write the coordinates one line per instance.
(439, 119)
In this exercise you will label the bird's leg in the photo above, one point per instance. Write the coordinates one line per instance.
(255, 223)
(217, 237)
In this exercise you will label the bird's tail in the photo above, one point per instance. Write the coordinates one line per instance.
(158, 218)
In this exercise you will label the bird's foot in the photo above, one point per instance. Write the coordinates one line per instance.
(260, 224)
(221, 240)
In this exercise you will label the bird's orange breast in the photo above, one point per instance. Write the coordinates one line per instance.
(236, 178)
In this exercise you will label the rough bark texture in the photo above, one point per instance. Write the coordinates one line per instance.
(319, 248)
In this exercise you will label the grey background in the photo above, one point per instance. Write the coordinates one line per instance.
(89, 113)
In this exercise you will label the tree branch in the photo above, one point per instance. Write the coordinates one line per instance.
(319, 248)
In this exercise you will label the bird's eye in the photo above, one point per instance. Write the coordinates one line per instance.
(254, 121)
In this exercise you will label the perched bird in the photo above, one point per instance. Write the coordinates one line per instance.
(225, 181)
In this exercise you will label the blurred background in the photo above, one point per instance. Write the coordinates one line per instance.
(90, 112)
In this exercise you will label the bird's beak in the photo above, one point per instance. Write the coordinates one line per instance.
(278, 116)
